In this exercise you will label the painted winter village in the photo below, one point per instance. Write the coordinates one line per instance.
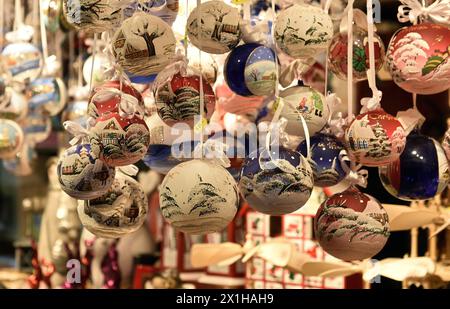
(244, 144)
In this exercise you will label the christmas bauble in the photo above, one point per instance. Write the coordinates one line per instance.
(23, 60)
(420, 173)
(76, 111)
(167, 10)
(11, 138)
(446, 144)
(219, 27)
(36, 126)
(94, 16)
(101, 64)
(351, 225)
(305, 101)
(50, 10)
(16, 107)
(325, 162)
(302, 30)
(20, 164)
(119, 211)
(198, 197)
(143, 46)
(250, 69)
(375, 138)
(82, 175)
(120, 140)
(47, 94)
(107, 98)
(278, 185)
(417, 58)
(337, 54)
(178, 100)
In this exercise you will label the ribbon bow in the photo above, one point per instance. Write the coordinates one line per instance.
(213, 150)
(355, 175)
(130, 170)
(373, 103)
(129, 105)
(412, 10)
(77, 131)
(294, 70)
(410, 119)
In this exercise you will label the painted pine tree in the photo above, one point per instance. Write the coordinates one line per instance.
(379, 146)
(169, 206)
(204, 198)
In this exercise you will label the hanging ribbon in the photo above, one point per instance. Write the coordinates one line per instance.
(350, 60)
(355, 175)
(129, 105)
(213, 151)
(412, 11)
(80, 134)
(294, 70)
(130, 170)
(373, 103)
(21, 32)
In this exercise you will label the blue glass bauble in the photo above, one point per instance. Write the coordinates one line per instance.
(420, 173)
(278, 185)
(324, 161)
(250, 70)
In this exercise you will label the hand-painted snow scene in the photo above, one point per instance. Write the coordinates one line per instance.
(143, 45)
(198, 201)
(82, 175)
(303, 31)
(260, 74)
(352, 226)
(120, 141)
(277, 186)
(120, 211)
(219, 27)
(418, 58)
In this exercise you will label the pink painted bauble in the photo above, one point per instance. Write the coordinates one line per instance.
(375, 138)
(417, 58)
(178, 100)
(337, 54)
(352, 225)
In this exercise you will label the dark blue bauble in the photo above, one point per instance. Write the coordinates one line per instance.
(239, 65)
(324, 161)
(420, 173)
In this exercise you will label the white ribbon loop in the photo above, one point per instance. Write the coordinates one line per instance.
(213, 150)
(128, 106)
(294, 70)
(130, 170)
(355, 175)
(412, 11)
(77, 131)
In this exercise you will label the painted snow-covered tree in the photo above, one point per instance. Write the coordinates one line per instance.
(169, 206)
(398, 140)
(408, 51)
(337, 220)
(204, 198)
(289, 34)
(379, 146)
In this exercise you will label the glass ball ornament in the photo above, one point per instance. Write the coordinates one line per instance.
(82, 175)
(375, 138)
(302, 30)
(101, 64)
(325, 162)
(76, 111)
(16, 106)
(351, 225)
(50, 10)
(120, 211)
(198, 197)
(219, 28)
(143, 46)
(337, 54)
(420, 173)
(305, 101)
(250, 70)
(11, 138)
(20, 164)
(93, 16)
(23, 60)
(276, 187)
(47, 94)
(36, 127)
(417, 58)
(178, 100)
